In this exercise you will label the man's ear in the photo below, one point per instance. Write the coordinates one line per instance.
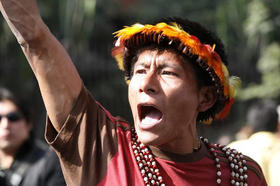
(207, 98)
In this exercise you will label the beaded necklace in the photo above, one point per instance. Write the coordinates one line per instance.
(151, 174)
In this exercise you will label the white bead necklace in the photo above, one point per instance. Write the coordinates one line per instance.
(151, 174)
(146, 162)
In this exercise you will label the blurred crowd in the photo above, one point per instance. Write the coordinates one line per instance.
(259, 138)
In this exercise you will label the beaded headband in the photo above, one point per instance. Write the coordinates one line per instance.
(187, 44)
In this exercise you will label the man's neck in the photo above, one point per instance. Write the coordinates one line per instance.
(182, 147)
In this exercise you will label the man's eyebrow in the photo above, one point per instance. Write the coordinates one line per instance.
(163, 64)
(166, 65)
(160, 65)
(142, 63)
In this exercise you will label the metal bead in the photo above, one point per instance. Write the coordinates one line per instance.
(185, 50)
(170, 42)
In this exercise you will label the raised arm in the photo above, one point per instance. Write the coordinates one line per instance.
(57, 76)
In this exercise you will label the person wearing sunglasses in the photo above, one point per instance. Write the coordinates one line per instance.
(24, 161)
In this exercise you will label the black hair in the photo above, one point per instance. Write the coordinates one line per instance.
(205, 36)
(263, 116)
(23, 107)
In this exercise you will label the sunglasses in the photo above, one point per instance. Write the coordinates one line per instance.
(13, 116)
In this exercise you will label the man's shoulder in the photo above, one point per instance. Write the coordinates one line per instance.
(239, 163)
(122, 124)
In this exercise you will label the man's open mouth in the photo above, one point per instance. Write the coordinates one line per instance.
(149, 114)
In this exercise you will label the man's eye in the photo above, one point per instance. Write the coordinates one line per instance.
(140, 71)
(168, 73)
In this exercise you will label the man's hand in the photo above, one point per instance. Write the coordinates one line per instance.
(19, 12)
(58, 78)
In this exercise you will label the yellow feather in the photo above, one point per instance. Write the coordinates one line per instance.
(234, 83)
(119, 59)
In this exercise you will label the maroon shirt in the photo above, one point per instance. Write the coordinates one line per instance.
(95, 149)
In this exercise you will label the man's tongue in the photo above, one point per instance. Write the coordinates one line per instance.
(151, 117)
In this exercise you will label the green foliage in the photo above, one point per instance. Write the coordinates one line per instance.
(269, 66)
(259, 27)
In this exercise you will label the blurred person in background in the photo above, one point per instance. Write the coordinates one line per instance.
(24, 161)
(263, 142)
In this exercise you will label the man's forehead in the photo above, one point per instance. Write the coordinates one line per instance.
(159, 56)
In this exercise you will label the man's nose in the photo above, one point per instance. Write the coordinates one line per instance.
(149, 84)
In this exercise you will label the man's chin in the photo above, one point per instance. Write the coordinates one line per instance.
(148, 138)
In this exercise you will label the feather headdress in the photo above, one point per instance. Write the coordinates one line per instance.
(187, 44)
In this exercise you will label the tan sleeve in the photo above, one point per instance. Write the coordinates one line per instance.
(86, 142)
